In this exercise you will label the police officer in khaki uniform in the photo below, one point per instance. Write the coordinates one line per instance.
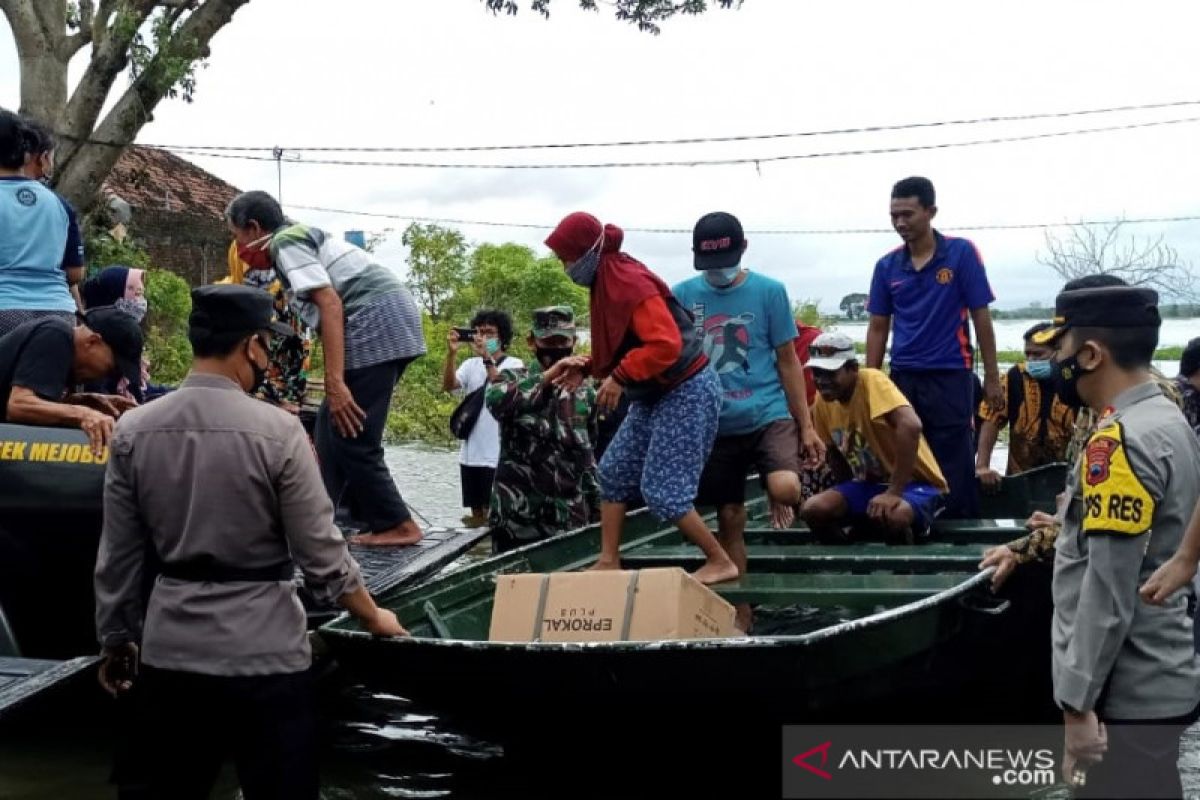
(226, 491)
(1125, 672)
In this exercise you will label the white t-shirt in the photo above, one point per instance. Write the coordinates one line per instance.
(482, 447)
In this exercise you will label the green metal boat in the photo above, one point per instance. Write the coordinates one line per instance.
(867, 631)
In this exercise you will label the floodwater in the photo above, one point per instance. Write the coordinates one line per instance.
(375, 744)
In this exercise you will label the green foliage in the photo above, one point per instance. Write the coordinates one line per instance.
(510, 277)
(646, 14)
(808, 311)
(1173, 353)
(102, 250)
(437, 265)
(167, 348)
(316, 359)
(164, 58)
(420, 409)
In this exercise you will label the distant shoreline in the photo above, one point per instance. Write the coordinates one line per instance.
(1173, 353)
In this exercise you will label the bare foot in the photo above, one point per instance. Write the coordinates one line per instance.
(716, 572)
(604, 564)
(744, 621)
(405, 533)
(782, 516)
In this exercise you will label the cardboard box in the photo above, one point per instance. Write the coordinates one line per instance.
(610, 606)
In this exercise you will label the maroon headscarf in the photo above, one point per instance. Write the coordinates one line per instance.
(622, 283)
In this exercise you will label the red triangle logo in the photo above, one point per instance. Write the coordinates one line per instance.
(802, 760)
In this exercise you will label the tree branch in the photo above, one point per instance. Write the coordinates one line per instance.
(23, 18)
(134, 108)
(101, 19)
(1139, 262)
(72, 44)
(52, 19)
(110, 56)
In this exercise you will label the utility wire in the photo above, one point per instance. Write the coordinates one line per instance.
(761, 232)
(681, 141)
(757, 160)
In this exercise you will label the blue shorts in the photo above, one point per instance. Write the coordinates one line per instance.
(925, 500)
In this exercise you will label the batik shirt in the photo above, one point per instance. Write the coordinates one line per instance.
(1039, 545)
(546, 478)
(287, 375)
(1041, 424)
(1189, 402)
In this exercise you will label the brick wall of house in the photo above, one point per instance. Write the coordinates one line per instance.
(191, 246)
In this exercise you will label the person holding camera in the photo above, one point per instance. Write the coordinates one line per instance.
(492, 333)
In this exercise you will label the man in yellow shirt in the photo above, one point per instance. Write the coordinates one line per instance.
(890, 477)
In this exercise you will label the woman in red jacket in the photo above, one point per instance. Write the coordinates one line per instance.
(644, 345)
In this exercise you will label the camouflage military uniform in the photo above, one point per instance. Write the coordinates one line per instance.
(1039, 545)
(546, 479)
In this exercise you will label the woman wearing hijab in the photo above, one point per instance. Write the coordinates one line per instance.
(121, 287)
(645, 347)
(370, 331)
(124, 289)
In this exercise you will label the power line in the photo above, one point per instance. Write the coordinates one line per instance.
(694, 140)
(757, 160)
(760, 232)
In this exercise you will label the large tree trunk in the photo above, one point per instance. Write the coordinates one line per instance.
(43, 86)
(88, 163)
(39, 32)
(88, 146)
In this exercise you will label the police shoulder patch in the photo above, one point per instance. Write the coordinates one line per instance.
(1114, 498)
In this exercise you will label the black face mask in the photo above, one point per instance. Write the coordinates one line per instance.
(1066, 374)
(260, 373)
(549, 356)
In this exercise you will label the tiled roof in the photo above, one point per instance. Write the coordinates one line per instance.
(150, 178)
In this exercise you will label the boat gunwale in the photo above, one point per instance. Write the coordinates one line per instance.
(656, 645)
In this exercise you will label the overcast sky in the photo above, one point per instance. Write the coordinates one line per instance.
(445, 72)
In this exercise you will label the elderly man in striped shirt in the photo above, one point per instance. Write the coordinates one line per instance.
(370, 330)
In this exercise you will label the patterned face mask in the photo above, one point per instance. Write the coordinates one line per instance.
(135, 308)
(583, 271)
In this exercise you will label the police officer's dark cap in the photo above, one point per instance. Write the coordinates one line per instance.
(233, 310)
(1102, 307)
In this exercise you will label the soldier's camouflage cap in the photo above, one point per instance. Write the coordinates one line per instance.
(553, 321)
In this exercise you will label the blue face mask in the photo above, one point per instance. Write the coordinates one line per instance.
(1039, 370)
(722, 278)
(583, 271)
